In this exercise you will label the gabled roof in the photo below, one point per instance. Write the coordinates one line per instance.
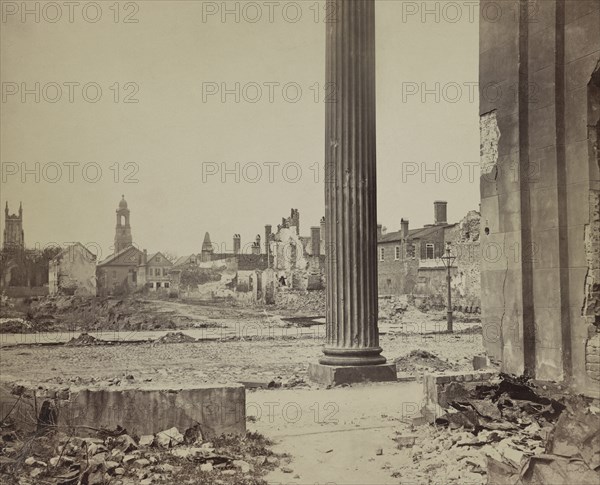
(69, 248)
(113, 257)
(153, 255)
(184, 259)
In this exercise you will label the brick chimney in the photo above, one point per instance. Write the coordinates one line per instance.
(322, 235)
(315, 235)
(237, 243)
(440, 209)
(404, 228)
(379, 230)
(268, 231)
(256, 245)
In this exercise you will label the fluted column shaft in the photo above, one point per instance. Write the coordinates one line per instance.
(350, 187)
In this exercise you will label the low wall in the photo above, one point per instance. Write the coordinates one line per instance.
(218, 409)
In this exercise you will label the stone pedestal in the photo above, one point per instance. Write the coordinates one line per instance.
(334, 375)
(352, 341)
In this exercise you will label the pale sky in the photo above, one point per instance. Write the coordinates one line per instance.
(171, 141)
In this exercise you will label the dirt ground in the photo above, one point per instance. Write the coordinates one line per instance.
(257, 347)
(215, 361)
(214, 343)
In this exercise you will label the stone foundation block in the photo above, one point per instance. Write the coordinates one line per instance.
(441, 389)
(330, 375)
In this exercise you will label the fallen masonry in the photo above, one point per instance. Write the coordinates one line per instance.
(509, 428)
(117, 458)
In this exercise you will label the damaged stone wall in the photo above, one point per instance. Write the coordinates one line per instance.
(539, 172)
(217, 408)
(464, 239)
(489, 137)
(591, 303)
(73, 272)
(289, 258)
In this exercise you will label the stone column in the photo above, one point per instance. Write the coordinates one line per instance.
(352, 352)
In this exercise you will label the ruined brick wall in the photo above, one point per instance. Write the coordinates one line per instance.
(592, 357)
(427, 278)
(465, 244)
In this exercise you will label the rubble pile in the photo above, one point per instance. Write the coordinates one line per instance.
(419, 361)
(87, 314)
(174, 338)
(116, 458)
(84, 339)
(14, 325)
(512, 433)
(292, 302)
(392, 307)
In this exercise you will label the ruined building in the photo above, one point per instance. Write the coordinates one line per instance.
(73, 272)
(409, 260)
(300, 260)
(23, 272)
(14, 236)
(540, 188)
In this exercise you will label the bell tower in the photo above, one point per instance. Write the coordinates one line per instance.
(123, 229)
(14, 236)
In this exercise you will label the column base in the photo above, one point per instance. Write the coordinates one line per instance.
(332, 375)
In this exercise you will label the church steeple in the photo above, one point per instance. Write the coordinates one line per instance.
(123, 237)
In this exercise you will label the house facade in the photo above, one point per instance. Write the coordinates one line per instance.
(409, 259)
(120, 272)
(157, 272)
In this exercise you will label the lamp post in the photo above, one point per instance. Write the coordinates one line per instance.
(448, 259)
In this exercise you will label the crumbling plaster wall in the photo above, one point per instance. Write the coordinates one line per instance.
(75, 272)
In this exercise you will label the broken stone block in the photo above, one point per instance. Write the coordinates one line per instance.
(480, 362)
(244, 466)
(168, 438)
(130, 458)
(110, 465)
(142, 462)
(126, 443)
(36, 472)
(146, 440)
